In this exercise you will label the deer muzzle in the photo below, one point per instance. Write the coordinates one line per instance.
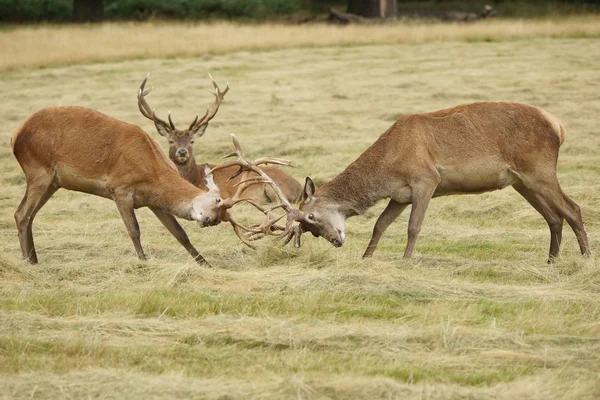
(182, 155)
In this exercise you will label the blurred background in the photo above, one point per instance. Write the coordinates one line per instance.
(26, 11)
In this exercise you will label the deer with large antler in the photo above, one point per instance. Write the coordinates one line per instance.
(80, 149)
(181, 153)
(467, 149)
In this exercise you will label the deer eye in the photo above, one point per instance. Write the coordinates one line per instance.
(171, 141)
(191, 142)
(310, 217)
(218, 200)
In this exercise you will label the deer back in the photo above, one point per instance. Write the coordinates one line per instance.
(91, 152)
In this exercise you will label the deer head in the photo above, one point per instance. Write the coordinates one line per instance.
(206, 208)
(181, 140)
(321, 218)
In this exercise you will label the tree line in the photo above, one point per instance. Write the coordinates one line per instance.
(98, 10)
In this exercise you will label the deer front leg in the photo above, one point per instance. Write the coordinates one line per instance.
(176, 230)
(391, 212)
(126, 209)
(421, 195)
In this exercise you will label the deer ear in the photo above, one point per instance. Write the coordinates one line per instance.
(200, 131)
(209, 180)
(309, 190)
(162, 131)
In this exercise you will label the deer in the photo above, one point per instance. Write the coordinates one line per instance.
(467, 149)
(80, 149)
(181, 154)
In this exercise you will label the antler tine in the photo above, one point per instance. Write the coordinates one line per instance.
(237, 228)
(217, 90)
(193, 123)
(268, 160)
(171, 121)
(212, 109)
(251, 181)
(145, 108)
(238, 147)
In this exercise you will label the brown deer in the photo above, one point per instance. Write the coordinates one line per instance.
(471, 148)
(181, 153)
(80, 149)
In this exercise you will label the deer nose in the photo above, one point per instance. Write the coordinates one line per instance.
(182, 152)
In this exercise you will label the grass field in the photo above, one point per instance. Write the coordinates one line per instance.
(477, 314)
(55, 45)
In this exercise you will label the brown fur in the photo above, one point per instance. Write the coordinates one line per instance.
(79, 149)
(290, 187)
(471, 148)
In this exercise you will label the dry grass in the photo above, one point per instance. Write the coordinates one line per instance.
(43, 46)
(477, 314)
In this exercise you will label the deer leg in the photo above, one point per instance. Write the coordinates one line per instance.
(554, 219)
(421, 195)
(573, 217)
(391, 212)
(127, 211)
(549, 189)
(36, 195)
(176, 230)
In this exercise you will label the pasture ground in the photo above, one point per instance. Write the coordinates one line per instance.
(476, 314)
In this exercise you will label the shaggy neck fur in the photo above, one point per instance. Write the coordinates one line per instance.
(191, 172)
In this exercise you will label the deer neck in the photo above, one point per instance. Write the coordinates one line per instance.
(190, 171)
(173, 194)
(358, 187)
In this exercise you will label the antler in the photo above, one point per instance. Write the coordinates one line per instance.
(147, 111)
(212, 109)
(268, 227)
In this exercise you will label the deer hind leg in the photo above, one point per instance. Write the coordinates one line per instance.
(550, 191)
(176, 230)
(573, 217)
(553, 218)
(421, 195)
(38, 192)
(127, 211)
(391, 212)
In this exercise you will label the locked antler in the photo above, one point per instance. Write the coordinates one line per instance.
(269, 226)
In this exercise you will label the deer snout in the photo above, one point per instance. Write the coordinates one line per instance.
(181, 154)
(339, 241)
(203, 222)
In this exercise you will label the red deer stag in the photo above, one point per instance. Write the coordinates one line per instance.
(181, 153)
(80, 149)
(466, 149)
